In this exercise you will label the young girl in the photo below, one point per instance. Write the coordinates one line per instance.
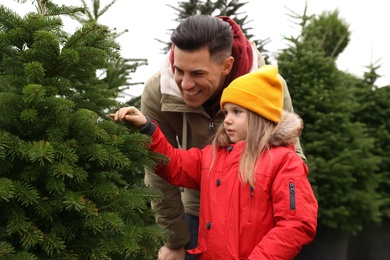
(256, 200)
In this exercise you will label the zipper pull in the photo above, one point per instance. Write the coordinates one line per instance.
(292, 188)
(251, 191)
(211, 125)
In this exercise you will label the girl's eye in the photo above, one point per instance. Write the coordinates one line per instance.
(236, 111)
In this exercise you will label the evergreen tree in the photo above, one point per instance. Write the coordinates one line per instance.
(116, 75)
(339, 150)
(71, 181)
(374, 111)
(331, 32)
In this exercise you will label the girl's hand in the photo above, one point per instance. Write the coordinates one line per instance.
(130, 115)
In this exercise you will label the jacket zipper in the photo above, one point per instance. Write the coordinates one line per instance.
(250, 206)
(292, 195)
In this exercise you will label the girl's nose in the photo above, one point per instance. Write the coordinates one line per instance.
(227, 119)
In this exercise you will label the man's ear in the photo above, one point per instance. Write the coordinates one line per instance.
(228, 65)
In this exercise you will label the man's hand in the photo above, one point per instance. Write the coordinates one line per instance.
(166, 253)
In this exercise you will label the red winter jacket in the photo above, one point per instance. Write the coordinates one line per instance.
(272, 220)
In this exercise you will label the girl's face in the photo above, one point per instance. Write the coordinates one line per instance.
(235, 122)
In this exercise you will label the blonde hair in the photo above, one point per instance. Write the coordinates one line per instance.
(259, 131)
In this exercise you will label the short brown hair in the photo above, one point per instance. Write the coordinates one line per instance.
(200, 31)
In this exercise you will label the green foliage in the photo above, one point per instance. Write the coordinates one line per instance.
(331, 32)
(340, 150)
(373, 109)
(116, 76)
(71, 180)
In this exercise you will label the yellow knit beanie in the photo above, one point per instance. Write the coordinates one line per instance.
(260, 91)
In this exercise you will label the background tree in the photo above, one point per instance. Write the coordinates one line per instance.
(373, 109)
(339, 150)
(71, 181)
(331, 31)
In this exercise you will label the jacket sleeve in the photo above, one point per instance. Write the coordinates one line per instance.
(184, 167)
(287, 105)
(295, 212)
(169, 212)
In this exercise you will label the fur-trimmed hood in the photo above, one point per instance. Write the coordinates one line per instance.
(287, 130)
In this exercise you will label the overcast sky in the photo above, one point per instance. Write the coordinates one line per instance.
(148, 20)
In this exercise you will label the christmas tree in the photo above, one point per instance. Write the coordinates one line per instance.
(71, 180)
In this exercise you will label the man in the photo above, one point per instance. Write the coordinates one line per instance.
(183, 98)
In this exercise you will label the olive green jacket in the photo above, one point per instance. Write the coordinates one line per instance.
(184, 127)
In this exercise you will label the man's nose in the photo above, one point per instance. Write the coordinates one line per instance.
(187, 82)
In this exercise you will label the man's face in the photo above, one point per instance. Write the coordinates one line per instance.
(198, 76)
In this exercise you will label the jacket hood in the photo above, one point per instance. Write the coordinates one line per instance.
(241, 51)
(287, 130)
